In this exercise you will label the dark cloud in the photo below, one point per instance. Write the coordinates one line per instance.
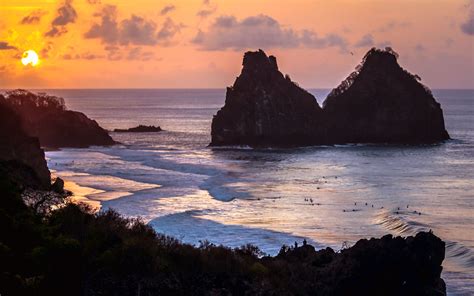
(366, 41)
(167, 9)
(66, 14)
(33, 18)
(135, 30)
(56, 32)
(205, 12)
(168, 31)
(260, 31)
(5, 46)
(107, 30)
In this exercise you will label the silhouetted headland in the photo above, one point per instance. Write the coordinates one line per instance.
(378, 103)
(46, 117)
(21, 154)
(140, 129)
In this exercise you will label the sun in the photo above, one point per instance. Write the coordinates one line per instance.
(30, 57)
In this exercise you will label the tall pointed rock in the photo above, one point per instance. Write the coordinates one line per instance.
(265, 108)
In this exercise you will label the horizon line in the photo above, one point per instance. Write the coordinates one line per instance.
(178, 88)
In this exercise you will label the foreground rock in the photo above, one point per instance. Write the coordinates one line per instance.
(265, 108)
(383, 103)
(20, 154)
(386, 266)
(46, 117)
(379, 103)
(140, 129)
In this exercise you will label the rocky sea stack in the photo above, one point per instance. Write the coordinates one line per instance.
(265, 108)
(378, 103)
(383, 103)
(47, 118)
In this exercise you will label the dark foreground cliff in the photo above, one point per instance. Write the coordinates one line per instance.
(265, 108)
(378, 103)
(17, 149)
(46, 117)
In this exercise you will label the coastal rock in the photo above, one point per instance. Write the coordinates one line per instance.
(378, 103)
(383, 103)
(21, 154)
(140, 129)
(386, 266)
(265, 108)
(46, 117)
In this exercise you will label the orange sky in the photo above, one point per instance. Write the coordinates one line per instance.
(196, 43)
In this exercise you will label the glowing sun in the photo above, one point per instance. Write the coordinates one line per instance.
(30, 57)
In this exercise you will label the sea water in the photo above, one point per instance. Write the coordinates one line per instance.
(329, 195)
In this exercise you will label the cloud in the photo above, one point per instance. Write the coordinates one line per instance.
(168, 31)
(207, 9)
(467, 27)
(260, 31)
(65, 14)
(107, 30)
(366, 41)
(137, 54)
(135, 30)
(167, 9)
(82, 56)
(34, 17)
(5, 46)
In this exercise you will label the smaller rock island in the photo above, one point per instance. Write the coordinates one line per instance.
(140, 129)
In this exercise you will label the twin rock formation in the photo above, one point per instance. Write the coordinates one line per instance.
(378, 103)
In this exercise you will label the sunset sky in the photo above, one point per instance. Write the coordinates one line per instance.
(196, 43)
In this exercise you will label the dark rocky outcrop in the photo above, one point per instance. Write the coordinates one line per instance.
(383, 103)
(265, 108)
(386, 266)
(46, 117)
(379, 103)
(140, 129)
(20, 154)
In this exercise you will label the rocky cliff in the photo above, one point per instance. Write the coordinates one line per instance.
(383, 103)
(265, 108)
(46, 117)
(20, 154)
(378, 103)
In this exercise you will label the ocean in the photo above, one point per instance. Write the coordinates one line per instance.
(329, 195)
